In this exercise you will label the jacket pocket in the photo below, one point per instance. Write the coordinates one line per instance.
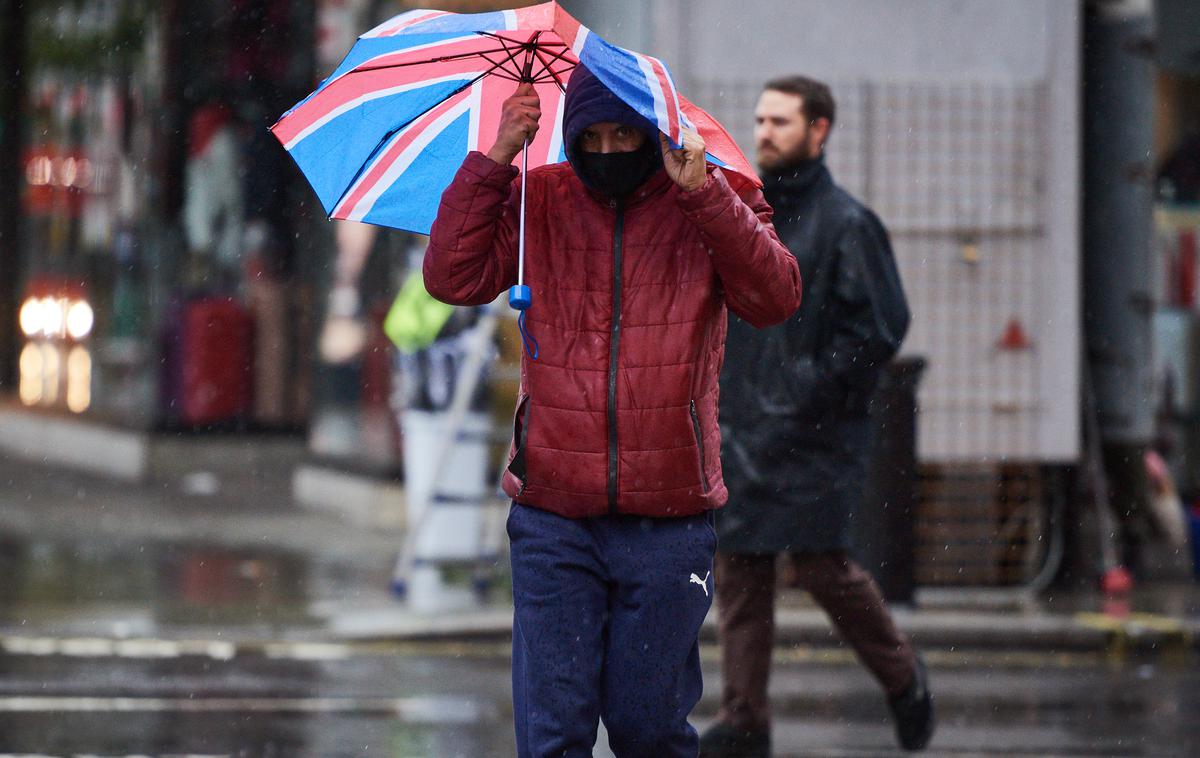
(517, 466)
(772, 381)
(699, 444)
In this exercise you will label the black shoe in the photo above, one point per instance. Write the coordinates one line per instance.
(913, 712)
(724, 741)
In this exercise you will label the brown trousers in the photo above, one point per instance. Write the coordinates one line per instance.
(746, 606)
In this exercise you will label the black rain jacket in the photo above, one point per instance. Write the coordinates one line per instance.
(794, 397)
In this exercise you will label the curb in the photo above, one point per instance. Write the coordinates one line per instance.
(1137, 633)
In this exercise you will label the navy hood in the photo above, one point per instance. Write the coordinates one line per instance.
(589, 102)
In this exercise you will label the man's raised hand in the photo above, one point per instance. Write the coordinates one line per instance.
(518, 122)
(686, 166)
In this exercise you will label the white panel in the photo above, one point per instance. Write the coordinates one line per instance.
(956, 175)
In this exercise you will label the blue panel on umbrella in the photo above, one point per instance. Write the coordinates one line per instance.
(371, 47)
(412, 202)
(355, 135)
(619, 70)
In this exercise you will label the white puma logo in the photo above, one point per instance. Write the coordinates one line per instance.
(702, 582)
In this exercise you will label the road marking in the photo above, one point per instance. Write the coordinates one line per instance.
(425, 710)
(226, 650)
(131, 755)
(833, 752)
(307, 651)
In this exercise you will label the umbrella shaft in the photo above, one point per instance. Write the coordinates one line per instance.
(521, 235)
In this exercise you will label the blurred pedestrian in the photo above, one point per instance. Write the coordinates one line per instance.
(795, 433)
(636, 250)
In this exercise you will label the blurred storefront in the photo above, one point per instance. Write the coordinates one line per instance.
(361, 385)
(173, 268)
(166, 252)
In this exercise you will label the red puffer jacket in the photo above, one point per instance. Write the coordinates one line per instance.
(617, 415)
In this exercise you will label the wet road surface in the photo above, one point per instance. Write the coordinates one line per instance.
(98, 697)
(142, 621)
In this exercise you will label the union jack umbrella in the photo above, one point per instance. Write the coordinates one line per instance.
(382, 137)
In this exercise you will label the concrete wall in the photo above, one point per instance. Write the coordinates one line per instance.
(756, 39)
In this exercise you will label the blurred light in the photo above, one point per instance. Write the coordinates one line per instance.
(31, 317)
(39, 171)
(80, 319)
(51, 369)
(69, 172)
(53, 316)
(83, 173)
(79, 379)
(31, 374)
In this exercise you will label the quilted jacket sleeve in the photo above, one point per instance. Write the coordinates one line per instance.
(472, 253)
(760, 277)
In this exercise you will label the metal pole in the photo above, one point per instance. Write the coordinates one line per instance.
(13, 21)
(1118, 111)
(1118, 98)
(521, 236)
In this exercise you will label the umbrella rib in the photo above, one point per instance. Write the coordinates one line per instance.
(548, 67)
(442, 59)
(511, 56)
(498, 64)
(537, 34)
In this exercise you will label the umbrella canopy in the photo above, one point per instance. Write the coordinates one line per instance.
(383, 136)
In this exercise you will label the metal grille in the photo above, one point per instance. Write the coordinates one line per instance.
(955, 170)
(980, 525)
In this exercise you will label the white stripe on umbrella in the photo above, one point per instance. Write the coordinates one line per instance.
(397, 24)
(580, 40)
(312, 106)
(660, 103)
(556, 135)
(473, 102)
(667, 86)
(405, 53)
(384, 156)
(366, 97)
(674, 96)
(399, 164)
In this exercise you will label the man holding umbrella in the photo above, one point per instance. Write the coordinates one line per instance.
(636, 252)
(796, 433)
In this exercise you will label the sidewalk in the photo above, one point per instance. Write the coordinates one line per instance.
(231, 493)
(1033, 629)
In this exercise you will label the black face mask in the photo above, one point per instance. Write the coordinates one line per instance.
(617, 174)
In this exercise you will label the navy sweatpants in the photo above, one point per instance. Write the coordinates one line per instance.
(606, 624)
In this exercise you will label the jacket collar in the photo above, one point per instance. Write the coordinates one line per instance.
(796, 181)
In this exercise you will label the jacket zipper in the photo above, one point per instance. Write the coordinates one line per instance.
(700, 444)
(523, 451)
(614, 345)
